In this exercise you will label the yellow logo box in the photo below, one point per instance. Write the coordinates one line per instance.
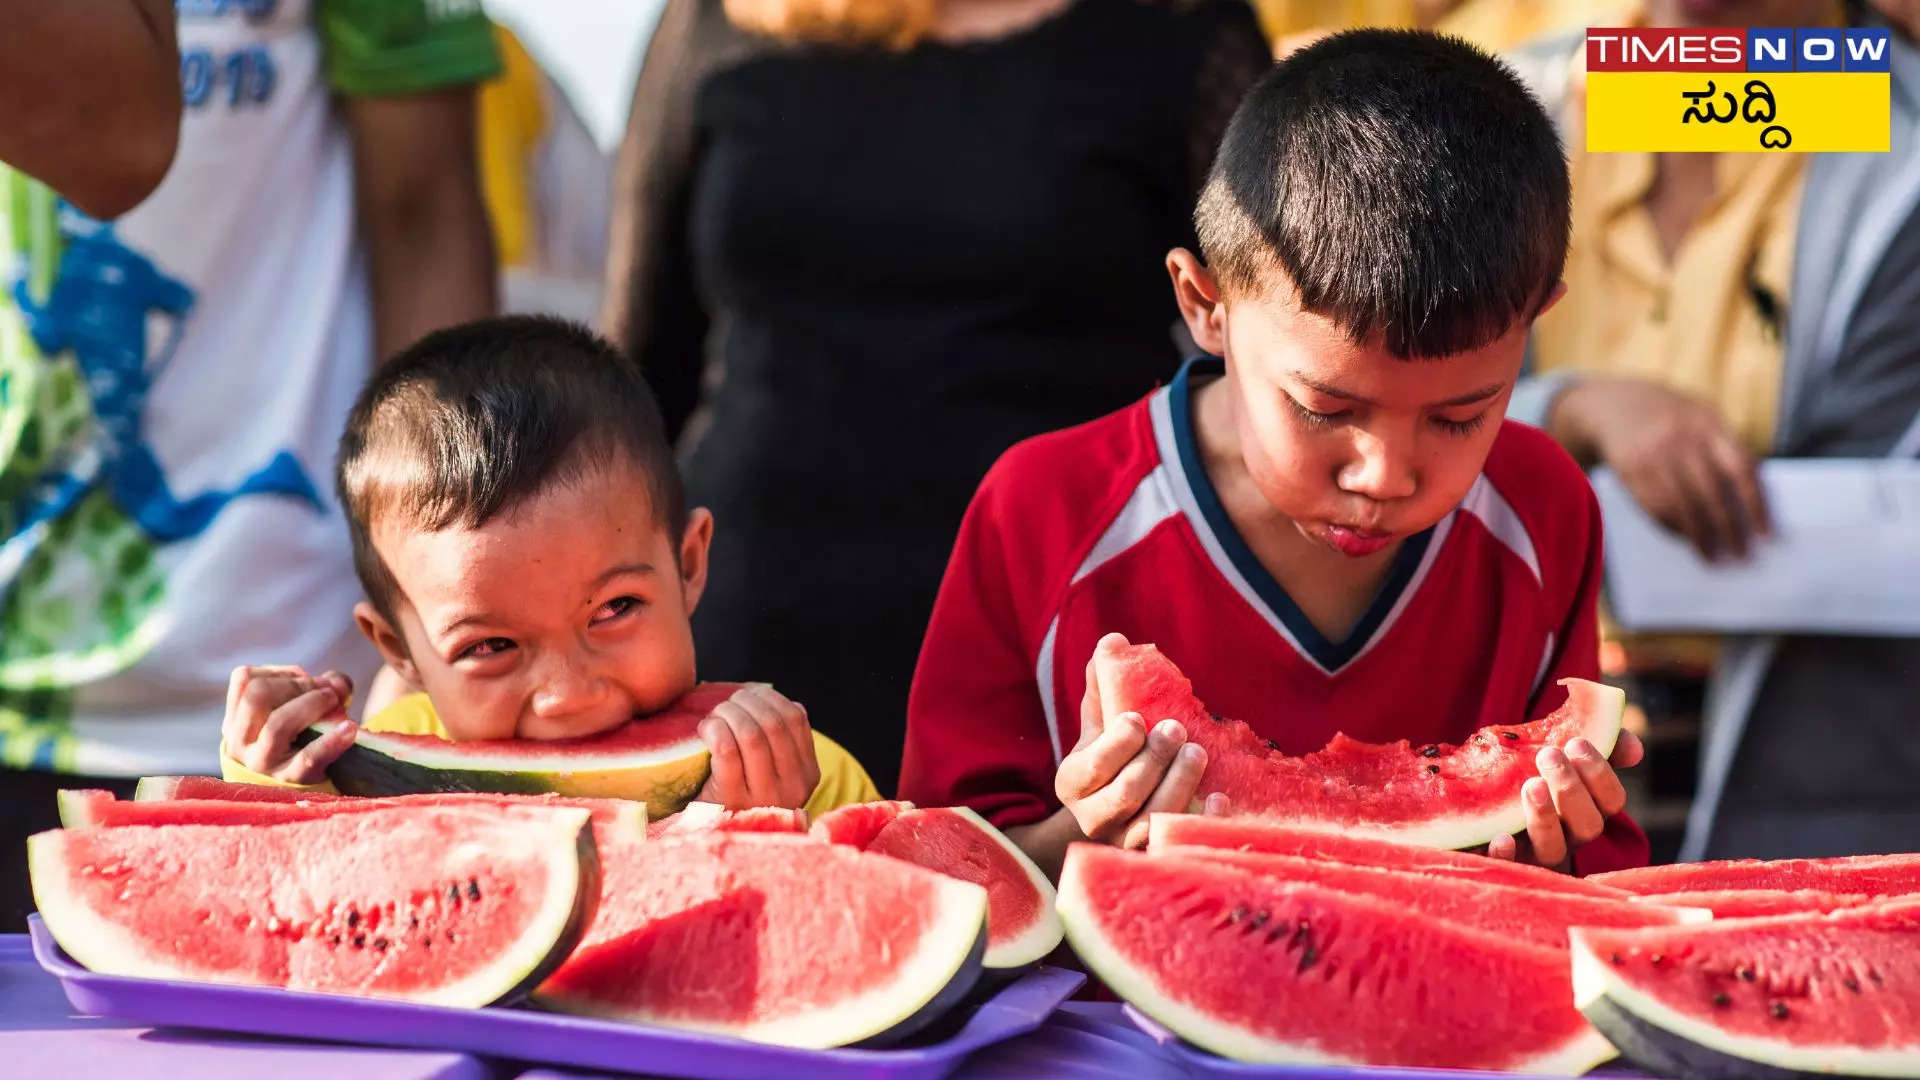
(1736, 111)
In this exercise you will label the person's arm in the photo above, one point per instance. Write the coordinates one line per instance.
(93, 97)
(652, 310)
(405, 71)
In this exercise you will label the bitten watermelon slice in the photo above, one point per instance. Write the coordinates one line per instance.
(1440, 796)
(99, 809)
(712, 817)
(658, 760)
(856, 825)
(774, 938)
(1760, 999)
(1877, 875)
(1285, 972)
(443, 905)
(1758, 903)
(1513, 912)
(1192, 834)
(955, 841)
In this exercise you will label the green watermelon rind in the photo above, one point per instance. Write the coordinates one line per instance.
(1139, 989)
(156, 788)
(1654, 1035)
(573, 879)
(936, 977)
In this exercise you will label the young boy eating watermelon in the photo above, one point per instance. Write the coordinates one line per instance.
(1328, 524)
(530, 567)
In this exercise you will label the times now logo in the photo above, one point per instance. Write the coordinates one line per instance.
(1736, 48)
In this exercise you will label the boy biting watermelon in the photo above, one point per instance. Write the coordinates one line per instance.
(531, 568)
(1327, 523)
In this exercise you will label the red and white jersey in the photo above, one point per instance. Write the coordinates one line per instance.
(1114, 526)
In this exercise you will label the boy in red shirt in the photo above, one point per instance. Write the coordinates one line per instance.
(1328, 523)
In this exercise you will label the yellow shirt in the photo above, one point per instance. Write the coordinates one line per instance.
(842, 779)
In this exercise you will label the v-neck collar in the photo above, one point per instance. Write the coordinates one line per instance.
(1409, 563)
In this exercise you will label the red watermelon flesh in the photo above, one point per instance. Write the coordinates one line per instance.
(1021, 924)
(164, 788)
(1759, 903)
(658, 759)
(1441, 795)
(712, 817)
(442, 905)
(1263, 970)
(1514, 912)
(99, 809)
(856, 825)
(1792, 995)
(1877, 875)
(1191, 832)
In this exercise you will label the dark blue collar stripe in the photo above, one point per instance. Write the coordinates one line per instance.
(1328, 654)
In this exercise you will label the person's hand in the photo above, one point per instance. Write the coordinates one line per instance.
(1569, 803)
(267, 707)
(1674, 455)
(762, 748)
(1120, 772)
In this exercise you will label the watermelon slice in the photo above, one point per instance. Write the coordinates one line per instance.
(1021, 924)
(1514, 912)
(778, 939)
(165, 788)
(713, 817)
(1191, 834)
(1877, 875)
(1440, 796)
(443, 905)
(658, 760)
(1797, 995)
(93, 809)
(1286, 972)
(856, 825)
(1758, 903)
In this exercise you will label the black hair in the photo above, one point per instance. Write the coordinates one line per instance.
(1405, 183)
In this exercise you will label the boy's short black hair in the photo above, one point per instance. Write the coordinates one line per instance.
(1405, 183)
(469, 421)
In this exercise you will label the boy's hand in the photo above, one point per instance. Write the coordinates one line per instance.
(268, 706)
(762, 749)
(1569, 803)
(1120, 772)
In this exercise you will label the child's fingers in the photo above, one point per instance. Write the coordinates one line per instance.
(756, 752)
(1217, 805)
(1580, 818)
(1173, 796)
(270, 748)
(1628, 751)
(1503, 847)
(1602, 783)
(309, 766)
(1549, 840)
(253, 693)
(778, 718)
(340, 684)
(1094, 766)
(1109, 809)
(726, 782)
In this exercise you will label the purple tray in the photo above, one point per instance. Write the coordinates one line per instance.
(1200, 1063)
(537, 1037)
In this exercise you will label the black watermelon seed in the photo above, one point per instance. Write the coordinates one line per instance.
(359, 941)
(1431, 751)
(1271, 745)
(1851, 983)
(1260, 918)
(1433, 768)
(353, 918)
(1514, 735)
(1746, 974)
(1617, 961)
(1779, 1010)
(381, 943)
(1874, 975)
(473, 888)
(1237, 914)
(336, 939)
(453, 892)
(1721, 1000)
(1217, 718)
(1657, 959)
(1308, 956)
(413, 922)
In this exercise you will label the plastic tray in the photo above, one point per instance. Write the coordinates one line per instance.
(544, 1038)
(1200, 1063)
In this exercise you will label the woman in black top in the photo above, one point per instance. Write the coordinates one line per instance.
(900, 261)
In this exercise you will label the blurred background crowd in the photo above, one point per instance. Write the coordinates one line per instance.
(860, 247)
